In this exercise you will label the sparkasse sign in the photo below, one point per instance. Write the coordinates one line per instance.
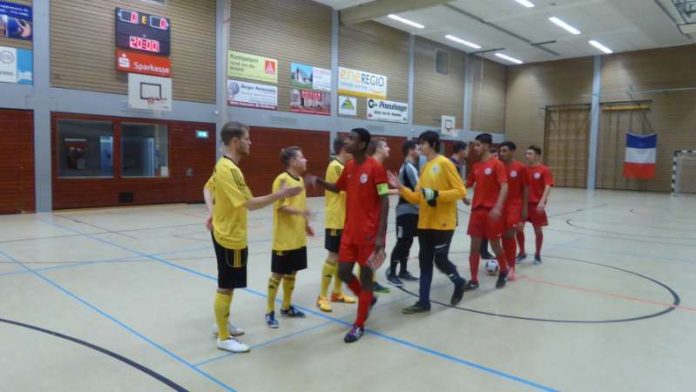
(134, 62)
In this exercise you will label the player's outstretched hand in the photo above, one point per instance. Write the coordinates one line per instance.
(377, 258)
(309, 230)
(466, 201)
(393, 180)
(209, 223)
(496, 213)
(311, 180)
(540, 208)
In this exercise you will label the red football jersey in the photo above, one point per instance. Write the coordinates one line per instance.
(487, 176)
(517, 180)
(538, 176)
(362, 200)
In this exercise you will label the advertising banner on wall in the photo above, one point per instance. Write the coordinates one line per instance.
(16, 65)
(381, 110)
(361, 83)
(307, 77)
(347, 106)
(134, 62)
(149, 92)
(252, 95)
(15, 21)
(310, 102)
(249, 66)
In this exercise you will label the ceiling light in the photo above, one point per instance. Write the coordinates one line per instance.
(508, 58)
(463, 42)
(564, 25)
(405, 21)
(526, 3)
(600, 47)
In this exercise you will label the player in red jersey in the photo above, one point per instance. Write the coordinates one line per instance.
(540, 183)
(515, 210)
(486, 220)
(364, 180)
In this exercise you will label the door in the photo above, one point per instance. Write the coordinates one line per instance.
(17, 161)
(566, 139)
(195, 157)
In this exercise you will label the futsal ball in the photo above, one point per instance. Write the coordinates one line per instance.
(492, 267)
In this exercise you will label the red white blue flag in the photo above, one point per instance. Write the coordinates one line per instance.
(640, 156)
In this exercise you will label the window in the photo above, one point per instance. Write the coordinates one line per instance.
(85, 148)
(442, 62)
(144, 150)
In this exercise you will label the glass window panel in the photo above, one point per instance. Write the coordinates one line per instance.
(144, 150)
(85, 148)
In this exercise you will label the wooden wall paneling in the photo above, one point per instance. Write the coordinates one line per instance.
(287, 30)
(17, 165)
(263, 164)
(488, 95)
(83, 48)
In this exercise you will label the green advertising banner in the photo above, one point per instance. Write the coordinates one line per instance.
(249, 66)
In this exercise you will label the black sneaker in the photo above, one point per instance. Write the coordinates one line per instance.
(472, 285)
(405, 275)
(487, 256)
(459, 288)
(381, 289)
(537, 260)
(292, 312)
(354, 334)
(416, 308)
(393, 280)
(520, 257)
(502, 279)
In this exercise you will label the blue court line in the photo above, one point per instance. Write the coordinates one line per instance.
(402, 342)
(120, 323)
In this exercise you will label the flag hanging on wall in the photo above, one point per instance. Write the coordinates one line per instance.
(640, 156)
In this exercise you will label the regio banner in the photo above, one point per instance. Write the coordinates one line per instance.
(249, 66)
(361, 83)
(252, 95)
(381, 110)
(310, 102)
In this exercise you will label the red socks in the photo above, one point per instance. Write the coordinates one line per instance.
(520, 240)
(510, 248)
(539, 242)
(364, 302)
(474, 259)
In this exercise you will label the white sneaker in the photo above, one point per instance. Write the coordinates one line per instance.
(234, 330)
(232, 345)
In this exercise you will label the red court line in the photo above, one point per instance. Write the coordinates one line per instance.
(608, 294)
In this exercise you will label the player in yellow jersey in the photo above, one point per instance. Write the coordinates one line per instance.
(290, 230)
(335, 217)
(439, 188)
(228, 198)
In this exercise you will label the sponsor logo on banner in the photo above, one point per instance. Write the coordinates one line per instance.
(362, 84)
(307, 77)
(311, 102)
(16, 65)
(381, 110)
(141, 63)
(149, 92)
(249, 66)
(347, 106)
(15, 21)
(252, 95)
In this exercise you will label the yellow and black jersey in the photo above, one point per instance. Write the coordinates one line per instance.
(230, 193)
(289, 230)
(334, 203)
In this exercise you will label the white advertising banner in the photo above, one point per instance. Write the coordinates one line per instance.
(252, 95)
(322, 79)
(347, 106)
(149, 92)
(362, 84)
(381, 110)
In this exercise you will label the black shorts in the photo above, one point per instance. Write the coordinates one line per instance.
(289, 261)
(406, 226)
(232, 266)
(332, 240)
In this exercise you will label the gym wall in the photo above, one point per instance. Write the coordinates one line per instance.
(488, 95)
(82, 46)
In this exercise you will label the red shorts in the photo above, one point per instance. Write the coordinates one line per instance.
(482, 226)
(537, 219)
(355, 253)
(513, 216)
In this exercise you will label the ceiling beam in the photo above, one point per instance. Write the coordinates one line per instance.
(379, 8)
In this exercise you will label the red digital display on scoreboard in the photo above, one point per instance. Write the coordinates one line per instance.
(142, 32)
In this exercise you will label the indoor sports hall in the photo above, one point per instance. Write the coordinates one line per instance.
(185, 185)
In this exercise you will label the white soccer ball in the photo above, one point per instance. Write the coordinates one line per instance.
(492, 267)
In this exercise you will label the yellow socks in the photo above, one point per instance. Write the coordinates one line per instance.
(327, 272)
(273, 284)
(222, 314)
(288, 288)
